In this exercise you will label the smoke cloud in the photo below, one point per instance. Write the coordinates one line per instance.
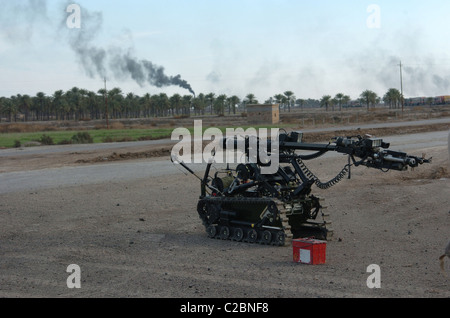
(97, 61)
(19, 19)
(380, 70)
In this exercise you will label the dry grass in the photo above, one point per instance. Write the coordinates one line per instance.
(26, 128)
(297, 119)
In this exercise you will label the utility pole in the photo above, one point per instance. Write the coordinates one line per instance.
(106, 105)
(401, 86)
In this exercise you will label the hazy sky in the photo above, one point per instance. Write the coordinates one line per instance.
(231, 47)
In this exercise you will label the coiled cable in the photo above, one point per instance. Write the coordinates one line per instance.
(323, 185)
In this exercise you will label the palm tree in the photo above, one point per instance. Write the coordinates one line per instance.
(280, 99)
(346, 99)
(9, 107)
(14, 107)
(126, 105)
(154, 100)
(40, 105)
(130, 105)
(326, 101)
(163, 103)
(73, 97)
(301, 102)
(82, 106)
(24, 105)
(369, 97)
(57, 102)
(94, 103)
(146, 105)
(251, 99)
(289, 98)
(393, 98)
(175, 103)
(232, 102)
(2, 99)
(199, 103)
(115, 100)
(210, 98)
(338, 99)
(187, 104)
(103, 92)
(219, 104)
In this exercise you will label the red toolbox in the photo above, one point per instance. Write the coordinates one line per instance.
(309, 251)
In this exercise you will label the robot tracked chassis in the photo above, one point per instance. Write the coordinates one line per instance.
(243, 204)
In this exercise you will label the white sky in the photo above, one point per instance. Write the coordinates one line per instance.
(232, 47)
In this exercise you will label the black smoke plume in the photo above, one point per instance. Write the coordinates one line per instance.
(19, 19)
(97, 61)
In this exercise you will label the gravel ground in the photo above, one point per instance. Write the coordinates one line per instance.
(141, 237)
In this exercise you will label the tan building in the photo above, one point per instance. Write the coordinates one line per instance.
(263, 114)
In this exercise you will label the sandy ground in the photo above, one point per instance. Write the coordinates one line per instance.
(143, 238)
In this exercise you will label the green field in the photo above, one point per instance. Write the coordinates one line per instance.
(11, 140)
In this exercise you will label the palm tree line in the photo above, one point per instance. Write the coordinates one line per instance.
(81, 104)
(392, 98)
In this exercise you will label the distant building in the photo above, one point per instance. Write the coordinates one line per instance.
(263, 114)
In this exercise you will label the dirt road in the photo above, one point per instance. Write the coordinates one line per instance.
(133, 230)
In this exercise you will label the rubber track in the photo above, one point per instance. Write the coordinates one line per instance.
(241, 200)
